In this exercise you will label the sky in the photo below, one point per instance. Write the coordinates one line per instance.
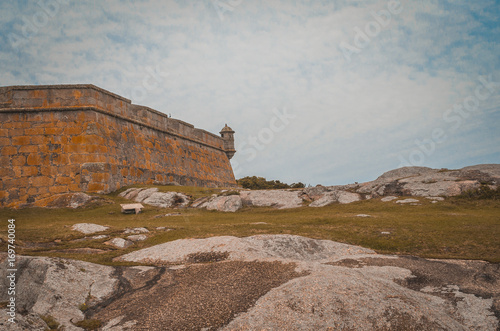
(318, 92)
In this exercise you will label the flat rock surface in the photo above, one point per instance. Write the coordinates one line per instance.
(265, 282)
(119, 243)
(261, 247)
(272, 198)
(88, 228)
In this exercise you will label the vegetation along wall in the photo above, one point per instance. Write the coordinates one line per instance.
(81, 138)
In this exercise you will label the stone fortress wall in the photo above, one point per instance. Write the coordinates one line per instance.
(80, 138)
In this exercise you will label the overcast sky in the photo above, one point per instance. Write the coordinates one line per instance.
(322, 92)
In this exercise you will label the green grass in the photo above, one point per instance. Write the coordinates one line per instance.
(455, 228)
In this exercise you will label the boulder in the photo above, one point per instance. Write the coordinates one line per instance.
(99, 237)
(272, 198)
(143, 194)
(427, 182)
(435, 198)
(57, 287)
(342, 197)
(135, 230)
(406, 201)
(167, 199)
(89, 228)
(153, 197)
(137, 237)
(119, 243)
(200, 202)
(230, 203)
(314, 193)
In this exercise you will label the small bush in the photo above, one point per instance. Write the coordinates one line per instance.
(260, 183)
(52, 324)
(231, 193)
(88, 324)
(481, 193)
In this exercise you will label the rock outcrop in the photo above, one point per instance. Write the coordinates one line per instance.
(427, 182)
(407, 181)
(261, 282)
(57, 288)
(392, 293)
(330, 197)
(153, 197)
(88, 228)
(280, 199)
(230, 203)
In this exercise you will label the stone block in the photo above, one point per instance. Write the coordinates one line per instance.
(34, 159)
(54, 131)
(9, 150)
(58, 189)
(37, 117)
(74, 187)
(21, 140)
(41, 181)
(73, 131)
(19, 160)
(5, 161)
(28, 149)
(18, 171)
(34, 131)
(49, 171)
(59, 159)
(40, 140)
(29, 171)
(78, 158)
(100, 177)
(16, 132)
(4, 172)
(96, 187)
(15, 183)
(79, 140)
(64, 180)
(32, 191)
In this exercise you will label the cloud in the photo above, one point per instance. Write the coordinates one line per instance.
(354, 118)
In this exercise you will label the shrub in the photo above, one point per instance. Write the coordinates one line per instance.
(260, 183)
(230, 193)
(483, 192)
(88, 324)
(52, 324)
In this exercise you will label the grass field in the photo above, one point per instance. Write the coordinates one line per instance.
(454, 229)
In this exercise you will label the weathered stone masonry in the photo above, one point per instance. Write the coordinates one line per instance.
(81, 138)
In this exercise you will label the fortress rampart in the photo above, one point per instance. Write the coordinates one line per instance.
(80, 138)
